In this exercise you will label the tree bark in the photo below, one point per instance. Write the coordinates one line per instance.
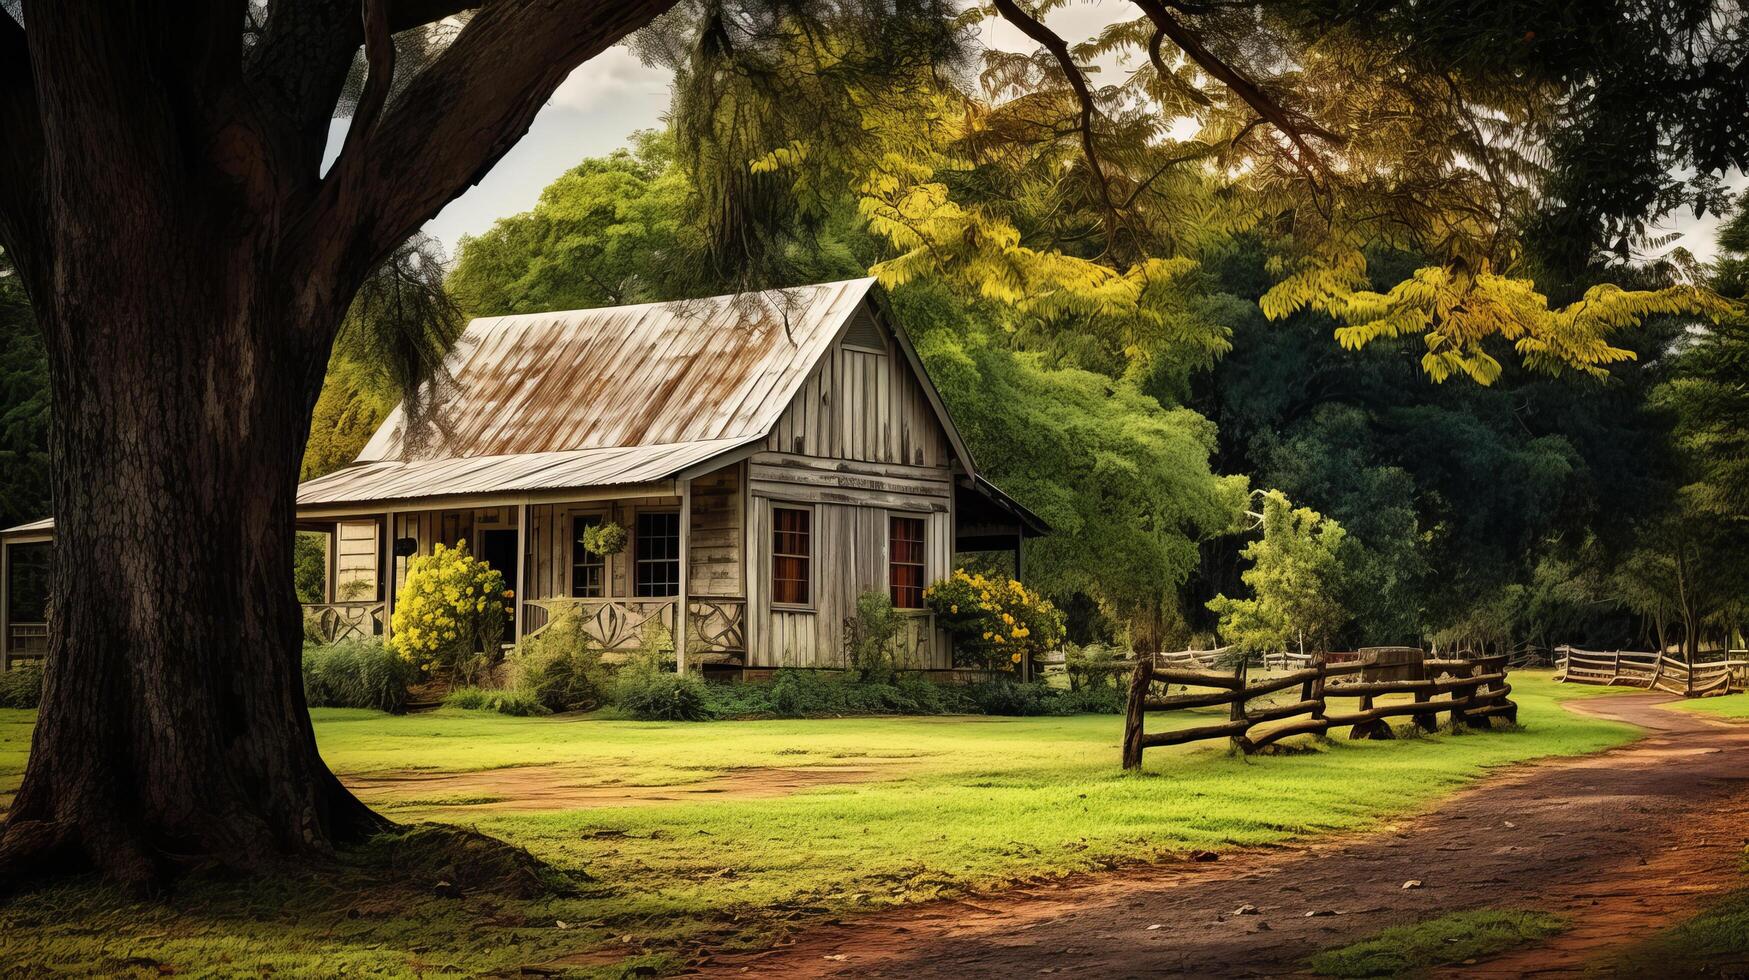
(173, 718)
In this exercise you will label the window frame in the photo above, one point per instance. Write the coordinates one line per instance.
(922, 566)
(638, 561)
(772, 556)
(598, 517)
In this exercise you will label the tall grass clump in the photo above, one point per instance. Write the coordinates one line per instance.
(561, 665)
(21, 687)
(356, 674)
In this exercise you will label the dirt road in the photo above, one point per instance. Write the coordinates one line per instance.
(1619, 842)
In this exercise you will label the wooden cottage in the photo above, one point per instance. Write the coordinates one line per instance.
(771, 456)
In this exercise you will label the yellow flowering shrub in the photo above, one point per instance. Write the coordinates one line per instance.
(449, 613)
(996, 622)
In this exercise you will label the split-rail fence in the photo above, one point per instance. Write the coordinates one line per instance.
(1655, 671)
(1473, 690)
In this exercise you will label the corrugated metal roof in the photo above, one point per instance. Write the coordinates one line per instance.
(523, 472)
(613, 396)
(660, 373)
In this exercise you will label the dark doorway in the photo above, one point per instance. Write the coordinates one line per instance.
(498, 549)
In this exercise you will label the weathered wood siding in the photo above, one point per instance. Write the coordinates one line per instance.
(355, 560)
(863, 404)
(859, 444)
(714, 542)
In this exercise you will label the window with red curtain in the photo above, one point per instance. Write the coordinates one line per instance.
(905, 561)
(790, 552)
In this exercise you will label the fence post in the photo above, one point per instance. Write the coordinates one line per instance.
(1237, 712)
(1316, 693)
(1140, 679)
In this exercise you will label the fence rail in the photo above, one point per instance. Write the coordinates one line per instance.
(1713, 672)
(1474, 692)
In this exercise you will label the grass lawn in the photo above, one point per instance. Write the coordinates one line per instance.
(708, 852)
(1724, 706)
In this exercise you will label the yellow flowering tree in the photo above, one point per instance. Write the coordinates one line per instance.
(996, 623)
(449, 613)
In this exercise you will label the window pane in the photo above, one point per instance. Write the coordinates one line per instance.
(790, 554)
(588, 571)
(905, 561)
(658, 555)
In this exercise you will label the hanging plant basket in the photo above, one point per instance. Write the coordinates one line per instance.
(606, 538)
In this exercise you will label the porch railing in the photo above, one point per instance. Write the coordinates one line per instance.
(715, 625)
(26, 642)
(336, 621)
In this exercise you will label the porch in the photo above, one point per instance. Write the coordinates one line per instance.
(24, 587)
(683, 551)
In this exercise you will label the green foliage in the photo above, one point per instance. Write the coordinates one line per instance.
(1095, 666)
(605, 538)
(310, 566)
(21, 687)
(515, 701)
(356, 674)
(450, 613)
(561, 665)
(997, 623)
(1002, 697)
(1457, 937)
(869, 636)
(24, 407)
(1296, 579)
(1125, 481)
(612, 230)
(646, 691)
(390, 349)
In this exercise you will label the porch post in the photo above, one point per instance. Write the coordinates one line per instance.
(682, 602)
(5, 605)
(387, 574)
(522, 556)
(1019, 538)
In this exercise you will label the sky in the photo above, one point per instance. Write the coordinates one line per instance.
(609, 97)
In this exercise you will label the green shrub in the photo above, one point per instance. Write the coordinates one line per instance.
(869, 636)
(821, 694)
(356, 674)
(1094, 665)
(21, 687)
(516, 701)
(1038, 698)
(561, 665)
(649, 693)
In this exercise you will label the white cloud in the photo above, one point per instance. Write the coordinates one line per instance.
(612, 75)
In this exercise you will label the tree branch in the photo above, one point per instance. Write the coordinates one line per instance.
(379, 58)
(1295, 126)
(306, 48)
(1059, 49)
(452, 123)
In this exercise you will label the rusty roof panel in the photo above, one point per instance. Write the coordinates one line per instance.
(606, 397)
(661, 373)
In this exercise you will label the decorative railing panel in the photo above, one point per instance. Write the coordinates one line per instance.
(336, 621)
(717, 625)
(617, 624)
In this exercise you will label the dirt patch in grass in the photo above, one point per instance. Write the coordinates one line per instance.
(526, 788)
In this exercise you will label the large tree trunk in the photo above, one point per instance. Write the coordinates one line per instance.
(173, 720)
(188, 259)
